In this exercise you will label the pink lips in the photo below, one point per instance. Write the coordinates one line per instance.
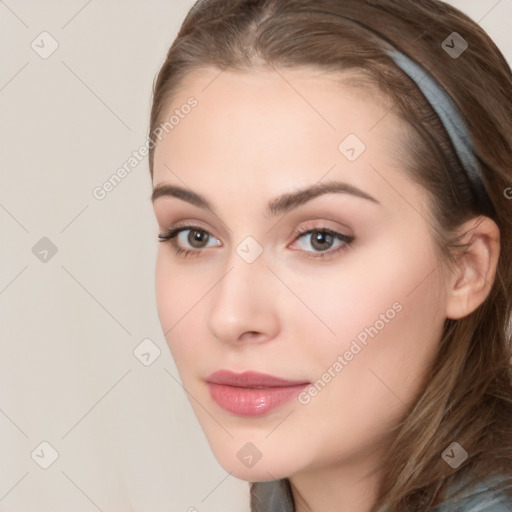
(251, 393)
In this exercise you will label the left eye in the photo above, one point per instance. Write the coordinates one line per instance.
(323, 240)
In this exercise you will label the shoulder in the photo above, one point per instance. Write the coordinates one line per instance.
(486, 496)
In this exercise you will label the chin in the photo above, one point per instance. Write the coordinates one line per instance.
(257, 473)
(249, 465)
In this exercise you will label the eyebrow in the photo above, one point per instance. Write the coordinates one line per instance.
(281, 204)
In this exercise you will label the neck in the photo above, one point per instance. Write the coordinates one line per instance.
(342, 488)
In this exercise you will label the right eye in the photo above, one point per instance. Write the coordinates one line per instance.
(195, 236)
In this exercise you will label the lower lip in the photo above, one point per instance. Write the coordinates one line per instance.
(252, 401)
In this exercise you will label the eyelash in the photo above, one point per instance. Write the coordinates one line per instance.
(170, 236)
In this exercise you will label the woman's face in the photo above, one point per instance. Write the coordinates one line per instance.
(353, 320)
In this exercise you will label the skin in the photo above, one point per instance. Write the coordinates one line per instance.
(251, 138)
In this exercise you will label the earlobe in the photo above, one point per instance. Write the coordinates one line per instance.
(472, 278)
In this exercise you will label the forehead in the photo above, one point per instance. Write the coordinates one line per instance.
(276, 126)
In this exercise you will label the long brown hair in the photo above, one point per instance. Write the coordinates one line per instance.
(467, 397)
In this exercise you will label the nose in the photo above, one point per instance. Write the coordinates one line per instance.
(245, 303)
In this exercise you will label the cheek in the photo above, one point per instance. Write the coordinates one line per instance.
(386, 315)
(176, 296)
(364, 291)
(375, 383)
(181, 294)
(166, 287)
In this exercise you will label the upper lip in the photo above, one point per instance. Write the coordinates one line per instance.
(250, 379)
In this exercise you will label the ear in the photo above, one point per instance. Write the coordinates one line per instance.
(471, 280)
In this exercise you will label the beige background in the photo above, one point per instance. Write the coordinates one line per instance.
(125, 434)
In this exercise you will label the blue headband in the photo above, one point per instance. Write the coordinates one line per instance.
(446, 110)
(452, 120)
(443, 105)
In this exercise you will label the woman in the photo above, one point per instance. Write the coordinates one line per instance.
(332, 184)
